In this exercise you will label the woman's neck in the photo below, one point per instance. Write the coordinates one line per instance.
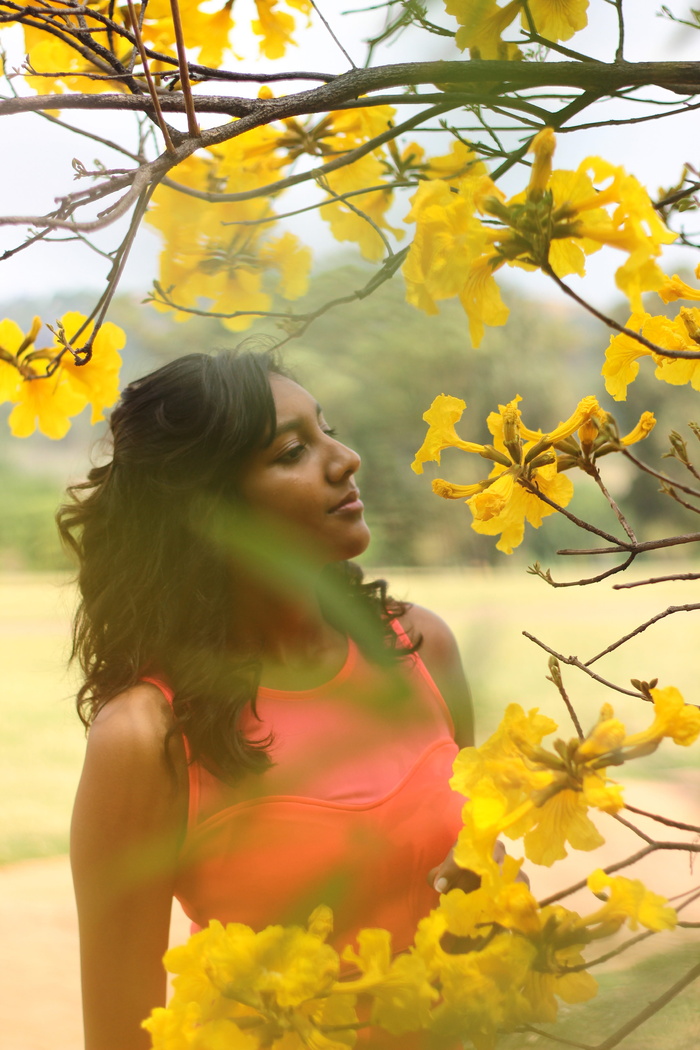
(291, 637)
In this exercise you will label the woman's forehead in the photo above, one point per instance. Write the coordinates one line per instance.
(291, 400)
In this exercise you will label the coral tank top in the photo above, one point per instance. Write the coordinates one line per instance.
(354, 812)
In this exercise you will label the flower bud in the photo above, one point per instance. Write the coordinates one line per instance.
(543, 146)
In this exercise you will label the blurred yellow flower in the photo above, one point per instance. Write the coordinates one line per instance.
(628, 900)
(672, 718)
(399, 985)
(557, 19)
(482, 22)
(98, 380)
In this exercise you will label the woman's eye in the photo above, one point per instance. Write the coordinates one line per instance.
(330, 432)
(292, 454)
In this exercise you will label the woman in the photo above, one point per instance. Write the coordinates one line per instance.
(264, 736)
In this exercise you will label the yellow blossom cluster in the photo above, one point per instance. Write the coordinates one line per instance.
(206, 33)
(463, 237)
(342, 132)
(680, 333)
(518, 788)
(482, 963)
(223, 254)
(482, 23)
(48, 401)
(526, 462)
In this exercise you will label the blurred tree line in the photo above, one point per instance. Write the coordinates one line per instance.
(388, 362)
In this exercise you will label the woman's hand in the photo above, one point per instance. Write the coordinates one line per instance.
(449, 876)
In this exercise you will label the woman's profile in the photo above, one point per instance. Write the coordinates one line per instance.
(267, 731)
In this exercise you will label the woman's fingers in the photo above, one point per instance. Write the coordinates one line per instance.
(449, 876)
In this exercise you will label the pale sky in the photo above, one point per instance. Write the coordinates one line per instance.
(37, 156)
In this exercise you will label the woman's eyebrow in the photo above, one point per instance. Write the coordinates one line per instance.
(296, 423)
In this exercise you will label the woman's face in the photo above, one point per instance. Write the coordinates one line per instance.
(306, 477)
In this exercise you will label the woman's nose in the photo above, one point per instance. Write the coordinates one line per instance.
(343, 461)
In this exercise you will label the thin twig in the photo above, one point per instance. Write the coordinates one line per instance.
(149, 79)
(621, 544)
(657, 579)
(642, 627)
(192, 125)
(556, 1038)
(692, 355)
(663, 820)
(651, 1009)
(595, 474)
(333, 36)
(556, 679)
(657, 474)
(647, 545)
(633, 828)
(689, 847)
(323, 183)
(573, 661)
(619, 54)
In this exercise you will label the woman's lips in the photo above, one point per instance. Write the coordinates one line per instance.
(350, 504)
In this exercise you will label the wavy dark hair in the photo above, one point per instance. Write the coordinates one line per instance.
(155, 588)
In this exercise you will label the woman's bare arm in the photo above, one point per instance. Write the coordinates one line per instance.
(438, 651)
(128, 822)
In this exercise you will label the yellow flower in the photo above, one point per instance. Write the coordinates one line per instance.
(518, 788)
(441, 417)
(451, 252)
(223, 253)
(643, 429)
(621, 357)
(630, 901)
(558, 945)
(543, 146)
(503, 502)
(557, 19)
(674, 288)
(13, 343)
(399, 986)
(679, 333)
(275, 27)
(46, 403)
(672, 718)
(98, 380)
(563, 818)
(457, 164)
(344, 219)
(482, 24)
(553, 225)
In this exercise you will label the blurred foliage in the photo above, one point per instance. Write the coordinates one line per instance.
(375, 367)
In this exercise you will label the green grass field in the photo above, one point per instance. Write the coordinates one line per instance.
(41, 740)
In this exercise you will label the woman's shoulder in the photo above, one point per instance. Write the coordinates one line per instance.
(134, 779)
(429, 631)
(438, 649)
(132, 728)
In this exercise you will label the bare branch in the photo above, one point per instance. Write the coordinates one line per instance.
(657, 579)
(651, 1009)
(573, 661)
(663, 820)
(638, 630)
(612, 323)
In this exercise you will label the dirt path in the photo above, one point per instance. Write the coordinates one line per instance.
(39, 984)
